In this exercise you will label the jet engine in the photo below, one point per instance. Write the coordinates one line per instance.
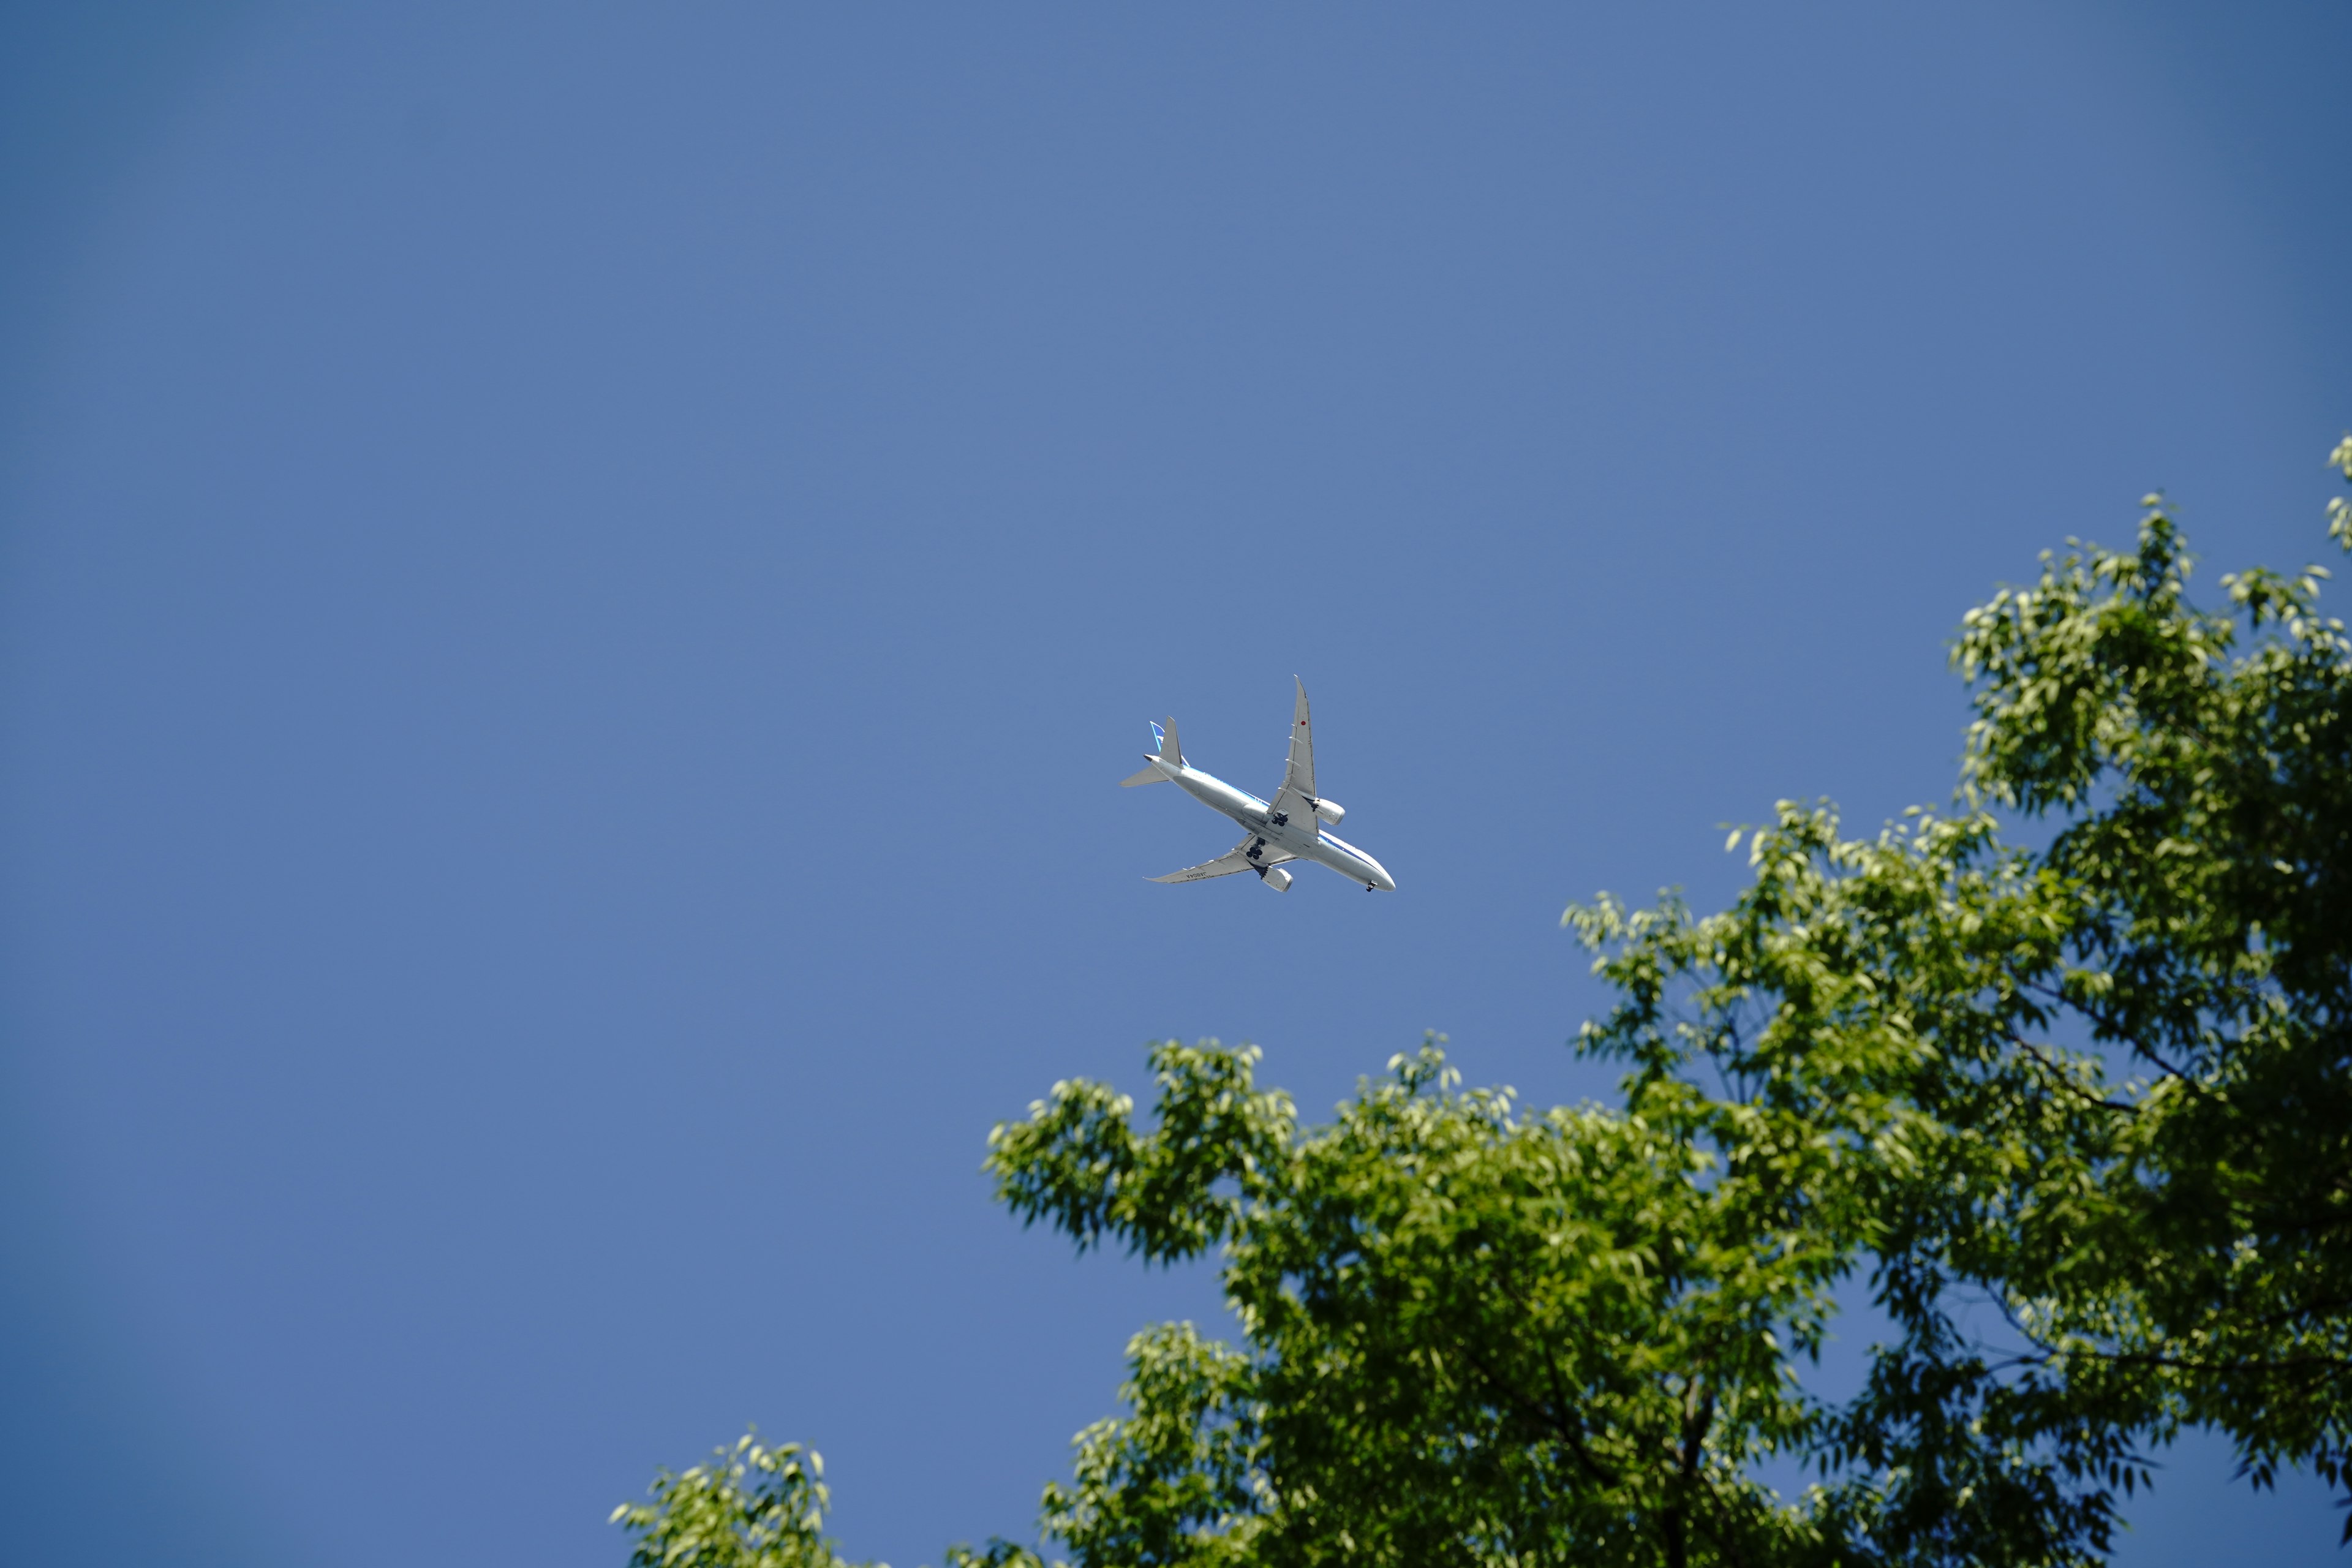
(1277, 879)
(1331, 811)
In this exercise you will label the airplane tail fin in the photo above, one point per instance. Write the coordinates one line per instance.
(1163, 743)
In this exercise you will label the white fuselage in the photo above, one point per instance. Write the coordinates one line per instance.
(1303, 835)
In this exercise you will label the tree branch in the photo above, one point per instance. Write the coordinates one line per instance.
(2059, 1075)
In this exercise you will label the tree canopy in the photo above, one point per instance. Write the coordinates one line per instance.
(2060, 1074)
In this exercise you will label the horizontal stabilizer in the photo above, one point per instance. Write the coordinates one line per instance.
(1148, 775)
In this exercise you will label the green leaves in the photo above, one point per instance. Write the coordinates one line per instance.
(1170, 1193)
(2340, 511)
(1182, 1480)
(751, 1507)
(2106, 1089)
(1473, 1335)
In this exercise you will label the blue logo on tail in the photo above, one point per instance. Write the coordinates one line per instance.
(1158, 737)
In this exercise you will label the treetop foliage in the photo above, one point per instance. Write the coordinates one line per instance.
(751, 1507)
(2076, 1118)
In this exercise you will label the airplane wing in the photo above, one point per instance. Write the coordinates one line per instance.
(1296, 794)
(1237, 859)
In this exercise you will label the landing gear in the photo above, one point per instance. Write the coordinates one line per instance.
(1280, 819)
(1371, 888)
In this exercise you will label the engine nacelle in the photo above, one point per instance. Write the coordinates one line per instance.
(1331, 811)
(1275, 877)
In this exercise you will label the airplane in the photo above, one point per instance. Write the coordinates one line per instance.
(1288, 827)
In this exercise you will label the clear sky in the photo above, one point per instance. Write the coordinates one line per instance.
(575, 582)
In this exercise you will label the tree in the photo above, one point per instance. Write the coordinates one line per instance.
(751, 1507)
(1473, 1334)
(2078, 1117)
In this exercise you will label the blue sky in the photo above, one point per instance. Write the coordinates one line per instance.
(577, 583)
